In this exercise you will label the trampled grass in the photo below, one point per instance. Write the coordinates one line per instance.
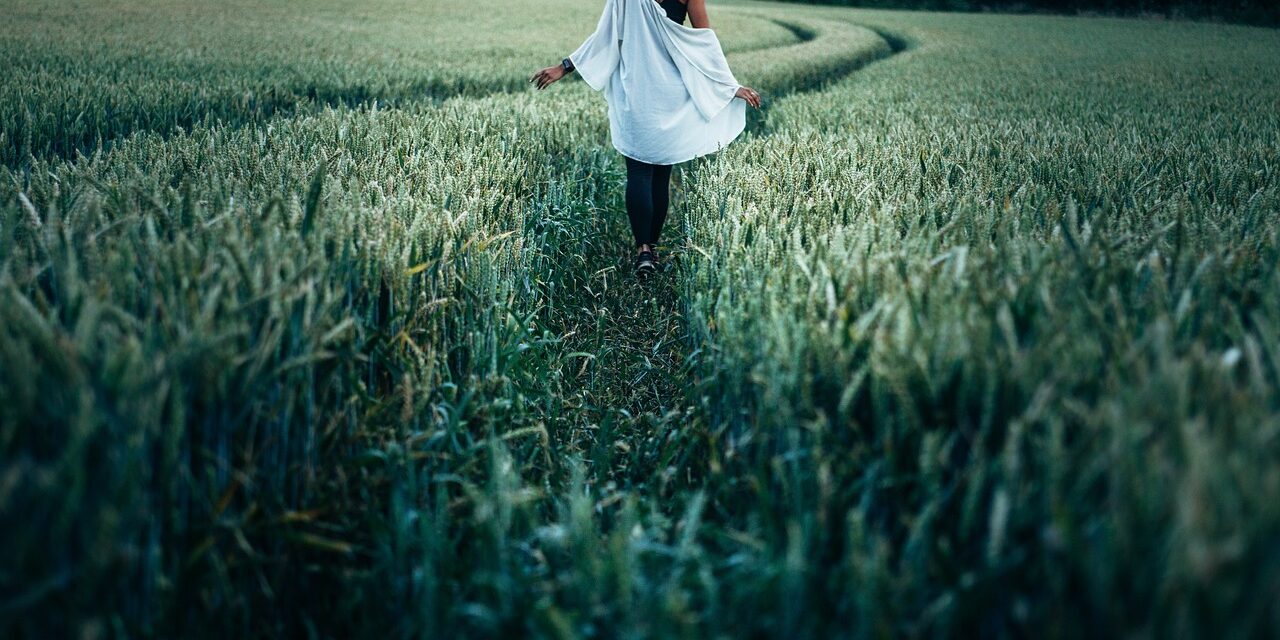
(334, 333)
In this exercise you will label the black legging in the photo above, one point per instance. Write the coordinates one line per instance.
(648, 196)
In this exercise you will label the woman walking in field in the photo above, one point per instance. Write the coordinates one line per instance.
(670, 94)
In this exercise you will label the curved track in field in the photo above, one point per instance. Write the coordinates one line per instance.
(641, 369)
(260, 105)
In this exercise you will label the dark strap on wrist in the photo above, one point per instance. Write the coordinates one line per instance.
(568, 65)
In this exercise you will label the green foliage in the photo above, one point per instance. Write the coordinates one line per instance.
(976, 339)
(1257, 12)
(1012, 325)
(80, 78)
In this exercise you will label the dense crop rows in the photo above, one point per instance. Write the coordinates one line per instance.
(83, 76)
(1013, 327)
(1255, 12)
(229, 304)
(978, 338)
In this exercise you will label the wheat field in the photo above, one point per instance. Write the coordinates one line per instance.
(316, 320)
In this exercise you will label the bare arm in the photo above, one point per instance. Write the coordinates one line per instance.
(545, 77)
(597, 56)
(698, 18)
(698, 14)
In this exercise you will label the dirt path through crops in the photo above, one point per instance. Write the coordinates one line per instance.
(636, 366)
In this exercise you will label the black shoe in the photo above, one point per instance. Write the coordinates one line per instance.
(645, 264)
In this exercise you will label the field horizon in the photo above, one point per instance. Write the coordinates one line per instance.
(317, 320)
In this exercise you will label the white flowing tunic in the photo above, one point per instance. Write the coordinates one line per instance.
(669, 88)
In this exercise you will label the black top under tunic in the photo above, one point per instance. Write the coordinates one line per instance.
(675, 10)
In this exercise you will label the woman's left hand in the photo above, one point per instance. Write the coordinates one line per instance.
(547, 76)
(750, 95)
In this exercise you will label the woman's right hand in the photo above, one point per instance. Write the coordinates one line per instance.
(750, 95)
(545, 77)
